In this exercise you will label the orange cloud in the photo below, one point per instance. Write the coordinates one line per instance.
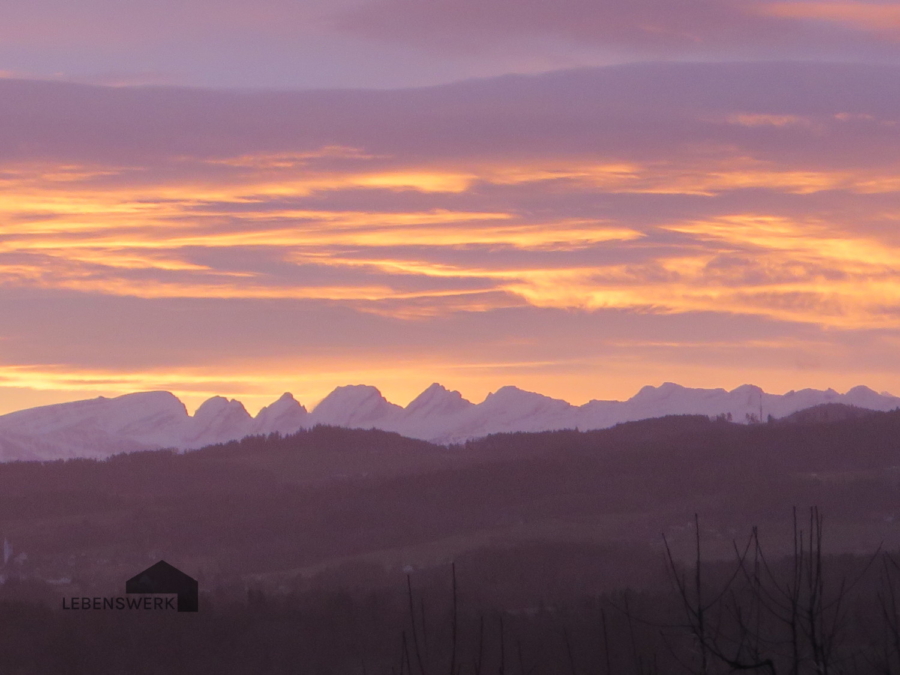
(64, 227)
(760, 120)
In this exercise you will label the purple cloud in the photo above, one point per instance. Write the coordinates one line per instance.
(625, 29)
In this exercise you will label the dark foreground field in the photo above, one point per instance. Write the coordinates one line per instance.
(304, 547)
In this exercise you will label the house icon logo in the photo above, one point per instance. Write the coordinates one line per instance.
(163, 578)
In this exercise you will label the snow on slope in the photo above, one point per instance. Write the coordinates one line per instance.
(285, 416)
(510, 409)
(355, 405)
(219, 419)
(94, 428)
(104, 426)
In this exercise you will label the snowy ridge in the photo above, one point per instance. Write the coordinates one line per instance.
(105, 426)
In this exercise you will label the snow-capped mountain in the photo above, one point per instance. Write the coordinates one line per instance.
(104, 426)
(284, 416)
(434, 403)
(355, 406)
(219, 419)
(512, 409)
(95, 428)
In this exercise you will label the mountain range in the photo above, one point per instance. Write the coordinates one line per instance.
(102, 426)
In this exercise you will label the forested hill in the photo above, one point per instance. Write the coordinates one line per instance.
(284, 509)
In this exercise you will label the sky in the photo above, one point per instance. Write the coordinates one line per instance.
(577, 198)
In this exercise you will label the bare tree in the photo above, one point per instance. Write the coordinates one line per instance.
(889, 604)
(767, 617)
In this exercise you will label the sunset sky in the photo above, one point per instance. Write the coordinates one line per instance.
(577, 197)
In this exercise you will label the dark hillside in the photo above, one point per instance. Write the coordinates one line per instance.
(336, 503)
(827, 412)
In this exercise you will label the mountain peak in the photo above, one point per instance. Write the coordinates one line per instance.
(651, 393)
(512, 393)
(749, 393)
(218, 405)
(511, 400)
(354, 405)
(219, 419)
(436, 400)
(284, 416)
(747, 389)
(864, 397)
(353, 392)
(285, 403)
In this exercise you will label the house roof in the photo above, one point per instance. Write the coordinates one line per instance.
(161, 578)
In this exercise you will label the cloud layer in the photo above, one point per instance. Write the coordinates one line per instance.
(580, 233)
(401, 43)
(684, 28)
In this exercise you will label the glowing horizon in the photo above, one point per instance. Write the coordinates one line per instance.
(201, 388)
